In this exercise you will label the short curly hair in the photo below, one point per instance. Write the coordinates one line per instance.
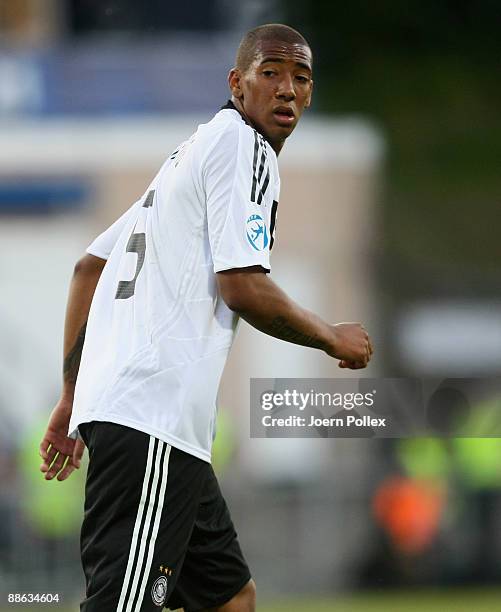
(246, 51)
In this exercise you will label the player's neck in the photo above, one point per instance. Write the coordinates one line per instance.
(276, 146)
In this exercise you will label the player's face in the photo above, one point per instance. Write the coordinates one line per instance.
(276, 88)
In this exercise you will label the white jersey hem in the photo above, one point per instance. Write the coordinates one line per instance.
(165, 437)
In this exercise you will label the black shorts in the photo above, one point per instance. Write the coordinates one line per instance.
(156, 531)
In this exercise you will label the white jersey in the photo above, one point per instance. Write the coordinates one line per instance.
(158, 332)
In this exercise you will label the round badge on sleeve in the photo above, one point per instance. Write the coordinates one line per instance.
(257, 234)
(159, 591)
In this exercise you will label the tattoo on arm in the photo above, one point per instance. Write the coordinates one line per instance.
(284, 331)
(72, 359)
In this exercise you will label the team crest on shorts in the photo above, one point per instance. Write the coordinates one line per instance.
(159, 591)
(256, 232)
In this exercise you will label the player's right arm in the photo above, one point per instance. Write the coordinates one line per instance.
(258, 300)
(230, 170)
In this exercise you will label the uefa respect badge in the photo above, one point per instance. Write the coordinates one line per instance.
(257, 234)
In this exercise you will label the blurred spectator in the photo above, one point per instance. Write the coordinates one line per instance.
(29, 23)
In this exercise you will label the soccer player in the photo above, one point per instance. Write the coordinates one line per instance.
(151, 315)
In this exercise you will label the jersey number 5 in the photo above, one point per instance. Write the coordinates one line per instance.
(135, 244)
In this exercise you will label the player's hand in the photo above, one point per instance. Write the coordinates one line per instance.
(61, 455)
(352, 365)
(351, 345)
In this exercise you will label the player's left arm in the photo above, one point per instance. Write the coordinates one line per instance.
(61, 455)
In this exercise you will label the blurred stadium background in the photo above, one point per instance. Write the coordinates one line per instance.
(398, 162)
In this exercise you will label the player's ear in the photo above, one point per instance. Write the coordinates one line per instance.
(234, 78)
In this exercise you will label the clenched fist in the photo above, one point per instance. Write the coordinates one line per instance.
(351, 345)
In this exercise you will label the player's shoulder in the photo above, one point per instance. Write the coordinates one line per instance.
(233, 127)
(227, 125)
(226, 134)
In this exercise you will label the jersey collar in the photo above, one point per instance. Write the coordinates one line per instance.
(231, 106)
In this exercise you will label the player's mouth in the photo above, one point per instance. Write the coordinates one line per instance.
(284, 115)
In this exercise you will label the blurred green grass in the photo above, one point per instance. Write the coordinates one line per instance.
(480, 600)
(443, 600)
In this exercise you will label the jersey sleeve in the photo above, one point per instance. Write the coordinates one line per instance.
(104, 243)
(237, 225)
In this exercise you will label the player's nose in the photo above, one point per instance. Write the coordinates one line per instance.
(285, 90)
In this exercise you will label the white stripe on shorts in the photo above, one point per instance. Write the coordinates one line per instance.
(152, 499)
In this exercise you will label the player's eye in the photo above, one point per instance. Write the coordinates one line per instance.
(268, 73)
(302, 79)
